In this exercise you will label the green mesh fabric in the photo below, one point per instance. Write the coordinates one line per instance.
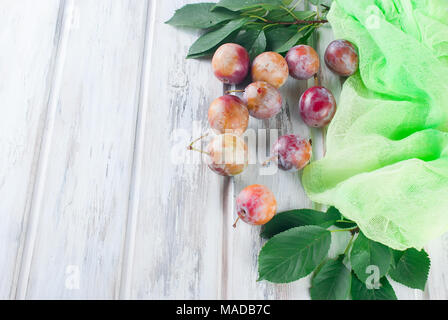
(386, 165)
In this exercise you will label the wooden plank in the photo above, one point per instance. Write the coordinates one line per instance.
(178, 236)
(74, 245)
(245, 242)
(437, 287)
(28, 34)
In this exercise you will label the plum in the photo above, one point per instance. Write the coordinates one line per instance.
(256, 205)
(231, 63)
(263, 100)
(270, 67)
(227, 155)
(292, 153)
(228, 114)
(342, 58)
(303, 62)
(317, 107)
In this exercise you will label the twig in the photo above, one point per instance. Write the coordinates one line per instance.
(298, 22)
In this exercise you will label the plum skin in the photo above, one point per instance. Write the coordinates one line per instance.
(342, 58)
(227, 155)
(317, 107)
(231, 63)
(256, 205)
(270, 67)
(291, 153)
(263, 100)
(303, 62)
(228, 114)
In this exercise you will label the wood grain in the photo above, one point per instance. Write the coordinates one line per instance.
(28, 38)
(100, 198)
(81, 201)
(178, 239)
(245, 242)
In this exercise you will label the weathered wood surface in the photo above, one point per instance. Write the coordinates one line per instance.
(100, 198)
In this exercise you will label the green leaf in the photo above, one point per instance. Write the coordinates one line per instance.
(360, 291)
(412, 269)
(254, 40)
(278, 35)
(293, 254)
(332, 282)
(199, 15)
(345, 225)
(238, 5)
(396, 256)
(298, 218)
(215, 37)
(365, 253)
(290, 43)
(230, 39)
(281, 39)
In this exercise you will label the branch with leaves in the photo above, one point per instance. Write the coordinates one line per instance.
(298, 245)
(257, 25)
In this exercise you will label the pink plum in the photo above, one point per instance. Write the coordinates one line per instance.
(228, 114)
(303, 62)
(263, 100)
(270, 67)
(317, 107)
(292, 153)
(231, 63)
(227, 155)
(256, 205)
(342, 58)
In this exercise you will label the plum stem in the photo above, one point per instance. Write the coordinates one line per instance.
(349, 245)
(316, 80)
(234, 225)
(233, 91)
(191, 148)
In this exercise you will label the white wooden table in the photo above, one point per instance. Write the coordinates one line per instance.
(94, 96)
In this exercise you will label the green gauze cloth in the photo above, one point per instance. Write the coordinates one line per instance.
(386, 166)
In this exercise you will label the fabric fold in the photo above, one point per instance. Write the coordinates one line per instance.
(386, 165)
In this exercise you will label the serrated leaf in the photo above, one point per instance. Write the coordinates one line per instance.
(293, 254)
(298, 218)
(396, 256)
(215, 37)
(412, 269)
(360, 291)
(199, 15)
(238, 5)
(365, 253)
(332, 282)
(254, 40)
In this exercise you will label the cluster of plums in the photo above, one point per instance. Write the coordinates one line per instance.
(229, 115)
